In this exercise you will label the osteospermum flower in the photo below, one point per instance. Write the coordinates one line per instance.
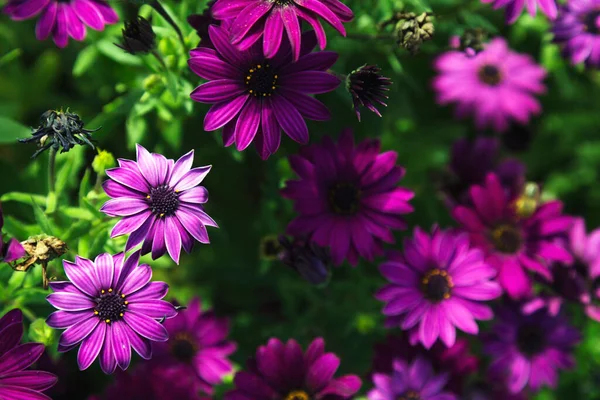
(252, 19)
(197, 348)
(255, 98)
(496, 85)
(347, 197)
(577, 30)
(160, 201)
(527, 350)
(63, 19)
(284, 371)
(15, 381)
(437, 285)
(514, 244)
(414, 381)
(514, 8)
(109, 306)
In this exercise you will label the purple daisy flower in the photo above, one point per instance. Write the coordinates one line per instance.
(577, 29)
(109, 306)
(15, 382)
(347, 197)
(414, 381)
(527, 350)
(284, 371)
(496, 84)
(514, 244)
(197, 348)
(267, 18)
(11, 250)
(436, 286)
(514, 8)
(62, 19)
(160, 201)
(255, 98)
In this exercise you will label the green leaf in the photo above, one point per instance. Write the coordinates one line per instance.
(173, 133)
(111, 51)
(136, 128)
(85, 59)
(69, 170)
(40, 332)
(26, 198)
(33, 296)
(51, 203)
(42, 219)
(84, 186)
(79, 213)
(172, 83)
(11, 130)
(10, 56)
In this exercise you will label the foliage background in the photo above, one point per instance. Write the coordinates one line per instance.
(134, 102)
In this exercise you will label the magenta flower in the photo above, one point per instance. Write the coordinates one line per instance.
(347, 197)
(511, 243)
(109, 306)
(496, 84)
(437, 285)
(255, 18)
(577, 30)
(514, 8)
(284, 371)
(62, 19)
(527, 350)
(11, 250)
(197, 348)
(15, 381)
(255, 98)
(160, 201)
(414, 381)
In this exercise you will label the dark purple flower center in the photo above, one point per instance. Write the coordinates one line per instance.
(410, 395)
(490, 75)
(164, 201)
(297, 395)
(110, 306)
(261, 80)
(531, 339)
(437, 285)
(183, 348)
(507, 239)
(344, 198)
(591, 22)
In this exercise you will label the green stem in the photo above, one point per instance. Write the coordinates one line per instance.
(98, 184)
(341, 77)
(157, 55)
(52, 170)
(163, 13)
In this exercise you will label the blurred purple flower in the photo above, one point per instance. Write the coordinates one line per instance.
(109, 306)
(511, 243)
(347, 197)
(160, 201)
(63, 18)
(310, 260)
(15, 381)
(577, 29)
(284, 371)
(254, 98)
(496, 85)
(11, 250)
(514, 8)
(435, 286)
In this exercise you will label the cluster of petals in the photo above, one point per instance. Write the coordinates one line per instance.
(514, 8)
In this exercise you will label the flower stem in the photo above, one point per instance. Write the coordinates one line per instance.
(157, 55)
(163, 13)
(341, 77)
(52, 170)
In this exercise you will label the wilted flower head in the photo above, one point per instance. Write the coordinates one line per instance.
(138, 36)
(58, 128)
(412, 30)
(367, 87)
(41, 249)
(309, 259)
(11, 250)
(577, 30)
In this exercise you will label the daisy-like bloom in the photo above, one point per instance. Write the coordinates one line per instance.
(11, 250)
(15, 381)
(347, 197)
(63, 19)
(253, 19)
(514, 244)
(109, 306)
(367, 87)
(283, 371)
(411, 381)
(160, 202)
(497, 85)
(437, 285)
(577, 30)
(514, 8)
(527, 350)
(197, 348)
(254, 98)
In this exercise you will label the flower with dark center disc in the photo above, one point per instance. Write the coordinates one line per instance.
(164, 201)
(298, 395)
(507, 239)
(530, 339)
(437, 285)
(344, 198)
(577, 31)
(138, 36)
(490, 74)
(367, 87)
(183, 348)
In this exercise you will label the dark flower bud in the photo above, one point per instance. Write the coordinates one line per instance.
(518, 138)
(58, 129)
(201, 22)
(412, 30)
(270, 249)
(367, 87)
(138, 37)
(308, 259)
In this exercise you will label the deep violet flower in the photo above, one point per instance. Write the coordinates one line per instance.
(283, 371)
(310, 260)
(269, 19)
(514, 8)
(109, 306)
(414, 381)
(577, 29)
(368, 87)
(527, 350)
(197, 348)
(11, 250)
(514, 244)
(15, 381)
(255, 98)
(436, 285)
(347, 197)
(160, 201)
(496, 85)
(63, 19)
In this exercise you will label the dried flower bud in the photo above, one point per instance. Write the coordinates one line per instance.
(138, 36)
(41, 249)
(412, 30)
(308, 259)
(367, 87)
